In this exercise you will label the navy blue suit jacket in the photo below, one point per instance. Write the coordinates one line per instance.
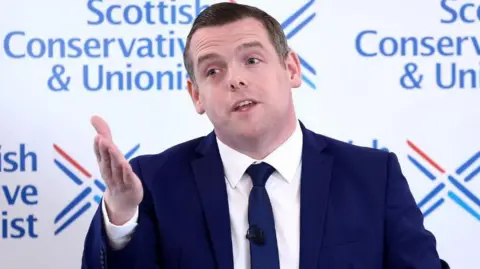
(357, 212)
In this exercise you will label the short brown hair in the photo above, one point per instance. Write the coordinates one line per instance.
(223, 13)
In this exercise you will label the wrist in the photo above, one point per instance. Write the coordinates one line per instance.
(119, 216)
(122, 217)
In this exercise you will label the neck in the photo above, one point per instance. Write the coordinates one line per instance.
(259, 147)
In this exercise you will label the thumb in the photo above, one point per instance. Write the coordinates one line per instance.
(101, 127)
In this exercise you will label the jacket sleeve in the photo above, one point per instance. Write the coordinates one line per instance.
(408, 243)
(142, 249)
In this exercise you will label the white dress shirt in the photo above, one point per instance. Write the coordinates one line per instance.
(283, 189)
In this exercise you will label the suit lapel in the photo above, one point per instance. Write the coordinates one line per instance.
(209, 177)
(315, 183)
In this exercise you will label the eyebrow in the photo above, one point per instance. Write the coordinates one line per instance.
(207, 57)
(253, 44)
(213, 55)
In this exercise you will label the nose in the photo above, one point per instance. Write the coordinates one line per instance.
(236, 81)
(237, 84)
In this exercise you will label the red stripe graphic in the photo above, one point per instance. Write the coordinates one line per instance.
(424, 156)
(72, 161)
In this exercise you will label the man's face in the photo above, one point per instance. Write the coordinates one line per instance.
(240, 81)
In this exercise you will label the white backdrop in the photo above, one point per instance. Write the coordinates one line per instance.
(355, 54)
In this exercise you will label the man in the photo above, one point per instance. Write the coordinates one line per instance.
(261, 191)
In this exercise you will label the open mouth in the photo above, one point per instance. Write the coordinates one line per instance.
(244, 106)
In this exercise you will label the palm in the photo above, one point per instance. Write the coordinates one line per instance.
(124, 190)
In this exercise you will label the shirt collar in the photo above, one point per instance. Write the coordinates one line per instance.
(285, 159)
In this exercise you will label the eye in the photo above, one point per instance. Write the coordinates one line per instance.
(252, 60)
(211, 72)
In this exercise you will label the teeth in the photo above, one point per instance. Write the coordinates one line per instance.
(244, 103)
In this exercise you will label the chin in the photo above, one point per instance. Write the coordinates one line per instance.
(250, 131)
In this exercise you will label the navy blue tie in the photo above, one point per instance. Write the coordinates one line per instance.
(263, 240)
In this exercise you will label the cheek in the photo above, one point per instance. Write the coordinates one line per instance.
(282, 89)
(212, 101)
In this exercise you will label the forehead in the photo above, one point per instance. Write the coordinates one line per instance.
(227, 37)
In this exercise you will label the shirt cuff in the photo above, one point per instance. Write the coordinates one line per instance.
(119, 235)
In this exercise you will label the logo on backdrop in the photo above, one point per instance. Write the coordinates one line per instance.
(14, 160)
(90, 188)
(445, 50)
(291, 31)
(446, 185)
(138, 52)
(451, 185)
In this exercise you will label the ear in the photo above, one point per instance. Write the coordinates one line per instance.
(195, 95)
(292, 64)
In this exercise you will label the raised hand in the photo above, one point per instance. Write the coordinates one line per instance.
(124, 190)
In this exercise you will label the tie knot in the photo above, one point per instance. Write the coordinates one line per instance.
(259, 173)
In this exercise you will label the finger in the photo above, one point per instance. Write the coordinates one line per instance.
(117, 160)
(116, 154)
(101, 127)
(117, 171)
(128, 174)
(105, 165)
(96, 148)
